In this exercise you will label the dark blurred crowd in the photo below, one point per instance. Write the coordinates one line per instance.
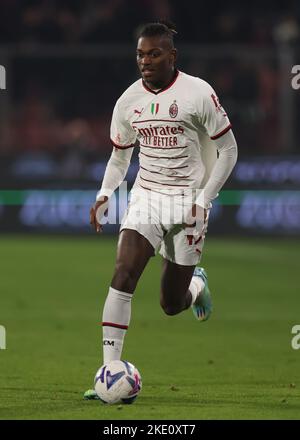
(97, 21)
(62, 107)
(63, 110)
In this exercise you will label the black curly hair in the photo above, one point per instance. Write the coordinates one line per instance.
(161, 28)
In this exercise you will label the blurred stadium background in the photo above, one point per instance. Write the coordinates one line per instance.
(67, 61)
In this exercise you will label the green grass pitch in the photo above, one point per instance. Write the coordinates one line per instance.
(238, 365)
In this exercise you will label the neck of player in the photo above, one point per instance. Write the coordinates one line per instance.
(163, 83)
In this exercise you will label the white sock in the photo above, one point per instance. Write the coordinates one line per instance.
(196, 286)
(115, 321)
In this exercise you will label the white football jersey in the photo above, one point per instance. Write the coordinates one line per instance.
(175, 128)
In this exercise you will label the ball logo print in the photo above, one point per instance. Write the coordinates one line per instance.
(2, 338)
(118, 382)
(135, 383)
(111, 379)
(296, 339)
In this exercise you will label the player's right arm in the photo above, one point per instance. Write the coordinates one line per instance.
(114, 175)
(123, 138)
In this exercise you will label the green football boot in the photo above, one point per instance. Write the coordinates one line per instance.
(202, 307)
(91, 395)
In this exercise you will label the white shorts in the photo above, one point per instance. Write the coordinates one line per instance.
(159, 218)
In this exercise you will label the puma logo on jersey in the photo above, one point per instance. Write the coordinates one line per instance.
(139, 112)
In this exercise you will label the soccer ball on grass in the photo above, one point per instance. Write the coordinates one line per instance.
(118, 381)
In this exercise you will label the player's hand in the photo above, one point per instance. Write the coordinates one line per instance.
(196, 217)
(97, 211)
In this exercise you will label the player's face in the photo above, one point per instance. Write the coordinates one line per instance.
(155, 59)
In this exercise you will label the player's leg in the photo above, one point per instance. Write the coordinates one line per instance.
(175, 295)
(140, 235)
(183, 284)
(183, 287)
(133, 253)
(139, 238)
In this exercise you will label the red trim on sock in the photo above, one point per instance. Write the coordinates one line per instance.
(112, 324)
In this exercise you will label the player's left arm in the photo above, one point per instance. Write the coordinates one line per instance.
(215, 120)
(227, 157)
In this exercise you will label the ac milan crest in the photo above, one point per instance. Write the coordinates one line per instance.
(173, 110)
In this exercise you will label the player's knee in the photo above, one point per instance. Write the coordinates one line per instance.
(124, 278)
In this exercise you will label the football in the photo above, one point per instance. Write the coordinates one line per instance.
(118, 382)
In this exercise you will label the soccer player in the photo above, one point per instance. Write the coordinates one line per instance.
(187, 152)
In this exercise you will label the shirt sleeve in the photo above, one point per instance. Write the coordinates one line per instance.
(212, 115)
(122, 134)
(227, 148)
(115, 172)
